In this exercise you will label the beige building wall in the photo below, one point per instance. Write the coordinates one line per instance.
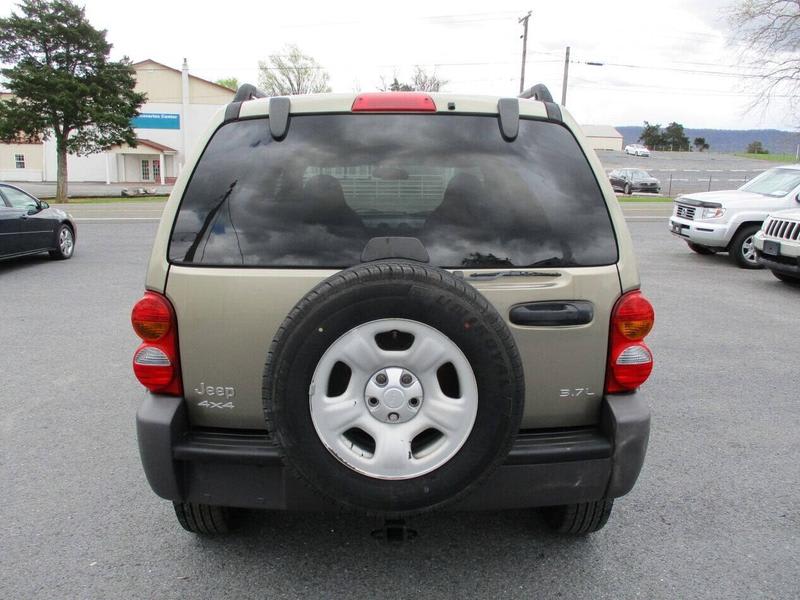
(33, 161)
(162, 84)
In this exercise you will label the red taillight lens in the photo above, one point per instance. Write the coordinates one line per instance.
(155, 362)
(151, 317)
(630, 361)
(393, 102)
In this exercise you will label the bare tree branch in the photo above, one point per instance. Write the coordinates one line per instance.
(769, 34)
(291, 73)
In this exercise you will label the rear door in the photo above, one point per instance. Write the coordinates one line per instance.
(261, 222)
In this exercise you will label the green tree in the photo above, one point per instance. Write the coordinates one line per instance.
(291, 73)
(651, 136)
(700, 144)
(675, 138)
(63, 83)
(232, 83)
(756, 148)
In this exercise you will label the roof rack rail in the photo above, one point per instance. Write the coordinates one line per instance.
(538, 92)
(247, 91)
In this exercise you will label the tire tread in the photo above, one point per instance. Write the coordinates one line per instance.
(203, 519)
(581, 518)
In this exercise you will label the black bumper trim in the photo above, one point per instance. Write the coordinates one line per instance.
(244, 468)
(530, 447)
(782, 264)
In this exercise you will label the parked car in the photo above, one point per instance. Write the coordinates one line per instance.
(628, 181)
(30, 226)
(727, 221)
(637, 150)
(347, 304)
(778, 245)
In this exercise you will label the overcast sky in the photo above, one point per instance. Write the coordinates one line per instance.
(664, 60)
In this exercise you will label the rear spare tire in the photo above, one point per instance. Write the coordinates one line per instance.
(393, 387)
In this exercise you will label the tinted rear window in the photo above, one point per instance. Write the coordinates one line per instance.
(336, 181)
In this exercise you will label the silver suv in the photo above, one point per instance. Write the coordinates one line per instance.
(393, 303)
(727, 221)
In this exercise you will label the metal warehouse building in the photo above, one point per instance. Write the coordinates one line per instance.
(603, 137)
(175, 114)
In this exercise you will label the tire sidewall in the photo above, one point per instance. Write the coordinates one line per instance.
(497, 370)
(58, 251)
(737, 247)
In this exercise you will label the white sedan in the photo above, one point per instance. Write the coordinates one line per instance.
(637, 150)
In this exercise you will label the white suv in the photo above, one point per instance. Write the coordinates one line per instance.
(726, 221)
(778, 245)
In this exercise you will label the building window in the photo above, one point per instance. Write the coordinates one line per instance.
(145, 170)
(156, 170)
(19, 161)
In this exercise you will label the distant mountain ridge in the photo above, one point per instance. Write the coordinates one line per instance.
(730, 140)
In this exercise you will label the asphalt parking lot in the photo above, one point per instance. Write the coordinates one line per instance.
(714, 515)
(689, 172)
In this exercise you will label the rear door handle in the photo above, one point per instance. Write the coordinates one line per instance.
(552, 313)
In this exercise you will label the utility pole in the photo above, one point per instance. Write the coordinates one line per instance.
(566, 75)
(524, 21)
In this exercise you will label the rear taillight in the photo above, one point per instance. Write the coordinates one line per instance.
(155, 362)
(630, 361)
(393, 102)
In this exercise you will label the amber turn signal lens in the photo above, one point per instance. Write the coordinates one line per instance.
(635, 330)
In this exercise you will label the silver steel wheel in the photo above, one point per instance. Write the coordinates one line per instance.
(66, 243)
(393, 420)
(749, 250)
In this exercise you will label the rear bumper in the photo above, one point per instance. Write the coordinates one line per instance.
(244, 468)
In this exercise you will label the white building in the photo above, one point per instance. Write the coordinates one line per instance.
(603, 137)
(175, 114)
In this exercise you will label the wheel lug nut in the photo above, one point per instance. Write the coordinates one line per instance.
(414, 402)
(406, 379)
(373, 401)
(393, 416)
(381, 379)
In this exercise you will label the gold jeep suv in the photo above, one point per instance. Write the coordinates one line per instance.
(394, 303)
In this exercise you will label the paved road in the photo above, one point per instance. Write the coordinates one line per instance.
(117, 212)
(715, 513)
